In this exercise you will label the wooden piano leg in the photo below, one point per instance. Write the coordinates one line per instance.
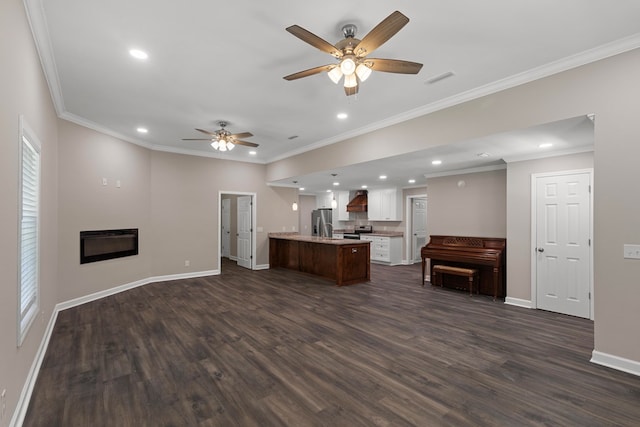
(496, 276)
(423, 263)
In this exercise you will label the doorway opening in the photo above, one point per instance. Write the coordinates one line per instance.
(236, 225)
(416, 229)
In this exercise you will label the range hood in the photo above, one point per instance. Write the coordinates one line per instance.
(359, 202)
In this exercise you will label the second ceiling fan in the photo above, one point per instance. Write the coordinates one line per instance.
(354, 64)
(222, 139)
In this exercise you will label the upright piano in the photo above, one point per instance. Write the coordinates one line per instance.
(487, 254)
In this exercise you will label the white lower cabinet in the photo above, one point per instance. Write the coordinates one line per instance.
(384, 249)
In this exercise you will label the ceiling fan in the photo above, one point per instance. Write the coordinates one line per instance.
(354, 64)
(222, 139)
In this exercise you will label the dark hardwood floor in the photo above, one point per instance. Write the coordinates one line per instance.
(281, 348)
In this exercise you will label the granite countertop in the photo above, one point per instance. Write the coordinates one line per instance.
(314, 239)
(387, 234)
(375, 233)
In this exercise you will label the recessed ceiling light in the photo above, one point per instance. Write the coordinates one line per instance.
(301, 188)
(545, 145)
(483, 154)
(342, 116)
(142, 130)
(383, 177)
(252, 153)
(364, 186)
(436, 162)
(138, 54)
(328, 191)
(412, 181)
(335, 184)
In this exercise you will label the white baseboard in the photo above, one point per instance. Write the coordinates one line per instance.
(518, 302)
(32, 376)
(261, 267)
(616, 362)
(25, 396)
(112, 291)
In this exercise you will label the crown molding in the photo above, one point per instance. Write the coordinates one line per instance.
(154, 147)
(465, 171)
(564, 64)
(40, 31)
(547, 154)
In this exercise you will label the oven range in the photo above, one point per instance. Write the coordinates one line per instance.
(361, 229)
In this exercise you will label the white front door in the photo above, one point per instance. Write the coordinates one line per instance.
(244, 231)
(225, 231)
(418, 227)
(563, 254)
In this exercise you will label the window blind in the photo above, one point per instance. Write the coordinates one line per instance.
(29, 213)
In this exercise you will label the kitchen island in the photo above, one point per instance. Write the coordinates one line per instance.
(342, 260)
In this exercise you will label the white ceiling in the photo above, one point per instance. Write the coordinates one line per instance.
(211, 61)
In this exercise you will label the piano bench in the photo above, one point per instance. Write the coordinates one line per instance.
(470, 273)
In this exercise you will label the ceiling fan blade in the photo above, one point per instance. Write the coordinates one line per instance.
(393, 66)
(351, 90)
(241, 135)
(248, 144)
(207, 132)
(197, 139)
(381, 33)
(315, 41)
(309, 72)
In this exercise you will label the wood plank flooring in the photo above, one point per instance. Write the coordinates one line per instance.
(282, 348)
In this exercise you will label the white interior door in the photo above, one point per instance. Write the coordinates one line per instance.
(418, 226)
(225, 232)
(244, 231)
(563, 254)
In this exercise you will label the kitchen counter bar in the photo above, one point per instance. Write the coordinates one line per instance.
(313, 239)
(342, 260)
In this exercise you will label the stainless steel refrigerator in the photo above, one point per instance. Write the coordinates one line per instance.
(321, 223)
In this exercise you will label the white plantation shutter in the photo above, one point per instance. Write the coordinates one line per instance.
(29, 213)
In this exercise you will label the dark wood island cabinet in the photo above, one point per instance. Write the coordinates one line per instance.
(345, 261)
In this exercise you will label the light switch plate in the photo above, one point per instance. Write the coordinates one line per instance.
(632, 251)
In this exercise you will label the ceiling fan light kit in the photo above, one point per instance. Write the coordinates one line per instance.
(222, 139)
(352, 53)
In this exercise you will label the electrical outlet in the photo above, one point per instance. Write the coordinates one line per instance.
(632, 251)
(104, 181)
(187, 263)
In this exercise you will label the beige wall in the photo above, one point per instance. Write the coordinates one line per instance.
(24, 91)
(306, 204)
(86, 157)
(609, 88)
(476, 207)
(519, 244)
(171, 198)
(180, 220)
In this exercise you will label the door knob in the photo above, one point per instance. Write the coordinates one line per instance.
(540, 249)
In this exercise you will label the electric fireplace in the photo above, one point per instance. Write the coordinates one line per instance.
(100, 245)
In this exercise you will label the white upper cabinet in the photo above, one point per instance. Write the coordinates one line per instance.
(385, 205)
(340, 213)
(324, 200)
